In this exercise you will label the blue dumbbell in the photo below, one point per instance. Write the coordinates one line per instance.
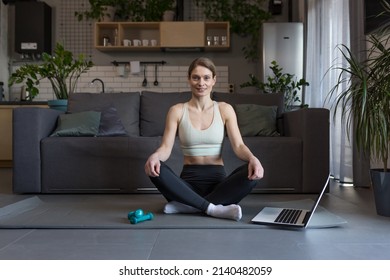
(135, 220)
(137, 213)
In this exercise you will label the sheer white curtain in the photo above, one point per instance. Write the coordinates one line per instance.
(327, 28)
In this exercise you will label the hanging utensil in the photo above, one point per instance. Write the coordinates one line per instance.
(155, 75)
(145, 81)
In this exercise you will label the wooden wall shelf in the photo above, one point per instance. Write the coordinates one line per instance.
(110, 36)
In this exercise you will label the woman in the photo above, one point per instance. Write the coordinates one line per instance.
(203, 185)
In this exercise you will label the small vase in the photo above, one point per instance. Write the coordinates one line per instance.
(58, 104)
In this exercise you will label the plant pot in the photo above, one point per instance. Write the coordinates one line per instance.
(169, 15)
(58, 104)
(381, 184)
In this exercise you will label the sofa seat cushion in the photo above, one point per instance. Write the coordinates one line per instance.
(281, 157)
(126, 103)
(84, 164)
(100, 164)
(154, 109)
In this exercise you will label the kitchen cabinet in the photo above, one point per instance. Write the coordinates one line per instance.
(113, 36)
(6, 129)
(182, 34)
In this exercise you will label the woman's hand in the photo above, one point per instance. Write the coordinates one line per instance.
(152, 166)
(255, 169)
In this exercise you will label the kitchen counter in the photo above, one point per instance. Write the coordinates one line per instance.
(6, 108)
(21, 103)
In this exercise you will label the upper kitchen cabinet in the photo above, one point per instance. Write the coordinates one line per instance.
(145, 36)
(182, 34)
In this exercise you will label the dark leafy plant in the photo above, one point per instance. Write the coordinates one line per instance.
(154, 9)
(279, 83)
(97, 9)
(61, 69)
(245, 16)
(135, 10)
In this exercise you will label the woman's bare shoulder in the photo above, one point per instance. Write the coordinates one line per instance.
(225, 108)
(177, 107)
(176, 110)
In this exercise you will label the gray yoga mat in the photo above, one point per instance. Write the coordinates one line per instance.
(110, 212)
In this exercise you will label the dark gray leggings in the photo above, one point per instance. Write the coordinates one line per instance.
(200, 185)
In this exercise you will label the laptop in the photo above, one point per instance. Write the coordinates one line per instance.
(288, 217)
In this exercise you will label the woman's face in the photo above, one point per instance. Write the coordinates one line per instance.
(201, 81)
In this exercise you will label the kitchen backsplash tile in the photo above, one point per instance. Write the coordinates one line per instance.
(170, 79)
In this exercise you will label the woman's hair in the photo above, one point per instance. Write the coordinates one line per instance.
(202, 61)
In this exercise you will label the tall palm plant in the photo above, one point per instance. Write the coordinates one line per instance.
(362, 93)
(365, 102)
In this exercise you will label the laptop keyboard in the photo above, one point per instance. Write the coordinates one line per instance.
(288, 216)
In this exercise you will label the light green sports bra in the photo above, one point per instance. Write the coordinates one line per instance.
(206, 142)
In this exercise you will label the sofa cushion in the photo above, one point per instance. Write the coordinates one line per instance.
(281, 158)
(78, 124)
(127, 105)
(154, 109)
(90, 164)
(256, 120)
(274, 99)
(259, 99)
(110, 123)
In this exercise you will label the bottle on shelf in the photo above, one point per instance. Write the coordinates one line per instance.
(116, 37)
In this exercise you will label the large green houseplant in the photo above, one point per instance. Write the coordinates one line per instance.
(134, 10)
(61, 69)
(362, 95)
(279, 82)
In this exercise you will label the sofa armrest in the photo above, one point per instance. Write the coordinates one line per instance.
(311, 125)
(30, 126)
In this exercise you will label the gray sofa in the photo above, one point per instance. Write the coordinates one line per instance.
(297, 161)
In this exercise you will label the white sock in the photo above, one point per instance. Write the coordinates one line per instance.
(174, 207)
(231, 211)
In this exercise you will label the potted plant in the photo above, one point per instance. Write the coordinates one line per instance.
(279, 83)
(157, 9)
(362, 95)
(245, 16)
(61, 69)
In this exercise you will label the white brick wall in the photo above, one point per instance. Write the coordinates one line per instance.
(170, 79)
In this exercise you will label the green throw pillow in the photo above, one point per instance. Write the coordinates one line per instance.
(78, 124)
(256, 120)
